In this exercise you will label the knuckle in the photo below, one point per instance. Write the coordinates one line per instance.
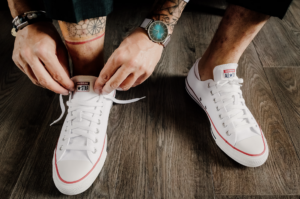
(25, 53)
(43, 82)
(113, 85)
(119, 58)
(56, 76)
(41, 50)
(125, 87)
(104, 77)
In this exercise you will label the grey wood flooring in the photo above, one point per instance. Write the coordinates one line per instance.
(161, 147)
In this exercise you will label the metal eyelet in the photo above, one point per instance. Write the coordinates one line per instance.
(217, 108)
(211, 93)
(220, 117)
(61, 147)
(227, 133)
(208, 85)
(224, 124)
(95, 150)
(97, 131)
(98, 122)
(100, 113)
(215, 100)
(96, 140)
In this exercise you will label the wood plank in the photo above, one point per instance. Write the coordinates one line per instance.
(22, 108)
(280, 173)
(295, 10)
(278, 42)
(257, 197)
(285, 84)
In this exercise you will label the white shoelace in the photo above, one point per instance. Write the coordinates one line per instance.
(79, 110)
(232, 101)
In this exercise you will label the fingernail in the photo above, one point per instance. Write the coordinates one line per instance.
(66, 93)
(97, 91)
(120, 89)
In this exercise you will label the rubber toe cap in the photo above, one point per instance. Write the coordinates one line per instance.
(73, 170)
(253, 145)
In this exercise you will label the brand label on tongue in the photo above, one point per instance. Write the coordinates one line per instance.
(229, 73)
(83, 86)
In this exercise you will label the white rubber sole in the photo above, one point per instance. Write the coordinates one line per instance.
(84, 184)
(246, 160)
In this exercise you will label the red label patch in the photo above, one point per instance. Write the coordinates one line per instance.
(228, 73)
(83, 86)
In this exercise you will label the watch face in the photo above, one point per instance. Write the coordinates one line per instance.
(158, 31)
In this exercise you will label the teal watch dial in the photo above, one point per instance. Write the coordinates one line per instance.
(158, 31)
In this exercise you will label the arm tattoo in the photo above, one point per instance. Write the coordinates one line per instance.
(87, 27)
(168, 11)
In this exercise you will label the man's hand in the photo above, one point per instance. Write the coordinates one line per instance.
(130, 65)
(40, 53)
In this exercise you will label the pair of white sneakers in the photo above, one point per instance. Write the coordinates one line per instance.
(81, 148)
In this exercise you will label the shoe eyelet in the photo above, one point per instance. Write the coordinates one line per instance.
(96, 140)
(98, 122)
(95, 150)
(227, 133)
(217, 108)
(97, 131)
(60, 148)
(215, 100)
(220, 117)
(224, 125)
(211, 93)
(208, 85)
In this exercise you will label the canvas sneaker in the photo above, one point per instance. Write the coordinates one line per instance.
(81, 148)
(233, 127)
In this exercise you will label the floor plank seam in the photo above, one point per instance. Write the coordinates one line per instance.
(212, 180)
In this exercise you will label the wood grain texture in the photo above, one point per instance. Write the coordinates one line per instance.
(22, 108)
(285, 84)
(278, 43)
(258, 197)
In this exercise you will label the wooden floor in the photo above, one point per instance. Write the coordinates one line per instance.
(161, 147)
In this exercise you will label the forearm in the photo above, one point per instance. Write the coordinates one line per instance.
(18, 7)
(168, 11)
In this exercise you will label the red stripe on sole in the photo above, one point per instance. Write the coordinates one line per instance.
(220, 134)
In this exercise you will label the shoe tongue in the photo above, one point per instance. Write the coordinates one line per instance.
(84, 87)
(225, 72)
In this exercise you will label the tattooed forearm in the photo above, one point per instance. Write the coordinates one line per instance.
(168, 11)
(87, 28)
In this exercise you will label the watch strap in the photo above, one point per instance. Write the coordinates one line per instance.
(146, 23)
(166, 41)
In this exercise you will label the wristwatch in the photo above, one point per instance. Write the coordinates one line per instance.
(21, 21)
(157, 31)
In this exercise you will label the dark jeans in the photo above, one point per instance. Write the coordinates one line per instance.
(77, 10)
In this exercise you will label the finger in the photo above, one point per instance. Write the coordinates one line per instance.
(128, 82)
(30, 74)
(109, 69)
(17, 60)
(115, 81)
(140, 80)
(56, 70)
(44, 77)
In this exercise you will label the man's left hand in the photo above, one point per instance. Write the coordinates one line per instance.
(130, 64)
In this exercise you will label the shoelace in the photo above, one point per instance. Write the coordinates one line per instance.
(79, 110)
(232, 101)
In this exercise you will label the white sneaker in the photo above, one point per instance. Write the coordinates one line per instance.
(81, 148)
(233, 127)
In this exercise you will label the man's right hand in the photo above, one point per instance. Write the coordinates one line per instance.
(40, 53)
